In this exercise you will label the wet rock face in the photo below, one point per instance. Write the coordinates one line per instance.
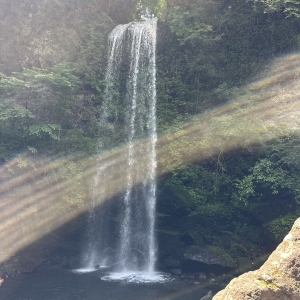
(278, 278)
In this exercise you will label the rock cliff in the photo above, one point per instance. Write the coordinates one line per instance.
(278, 278)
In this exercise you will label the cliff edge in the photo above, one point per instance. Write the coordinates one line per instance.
(278, 278)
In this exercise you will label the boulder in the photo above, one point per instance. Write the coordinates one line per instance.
(208, 296)
(278, 278)
(209, 255)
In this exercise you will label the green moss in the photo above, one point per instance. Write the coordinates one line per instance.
(278, 228)
(222, 255)
(268, 285)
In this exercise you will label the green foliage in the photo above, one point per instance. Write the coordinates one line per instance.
(13, 126)
(201, 185)
(160, 9)
(92, 56)
(265, 178)
(45, 128)
(192, 24)
(74, 140)
(62, 53)
(60, 76)
(275, 172)
(223, 91)
(290, 7)
(207, 51)
(11, 84)
(210, 49)
(157, 8)
(40, 105)
(12, 113)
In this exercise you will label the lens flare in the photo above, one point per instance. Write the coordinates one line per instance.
(38, 195)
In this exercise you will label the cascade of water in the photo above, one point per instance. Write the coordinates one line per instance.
(131, 83)
(137, 251)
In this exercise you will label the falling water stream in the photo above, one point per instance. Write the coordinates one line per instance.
(137, 234)
(131, 84)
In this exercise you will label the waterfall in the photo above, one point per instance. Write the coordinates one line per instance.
(131, 87)
(137, 251)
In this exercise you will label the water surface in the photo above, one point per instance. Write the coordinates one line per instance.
(50, 283)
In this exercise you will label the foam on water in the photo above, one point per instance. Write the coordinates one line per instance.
(88, 270)
(138, 277)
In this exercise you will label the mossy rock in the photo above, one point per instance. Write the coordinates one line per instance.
(221, 256)
(210, 255)
(278, 228)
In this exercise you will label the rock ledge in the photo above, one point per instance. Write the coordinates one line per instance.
(278, 278)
